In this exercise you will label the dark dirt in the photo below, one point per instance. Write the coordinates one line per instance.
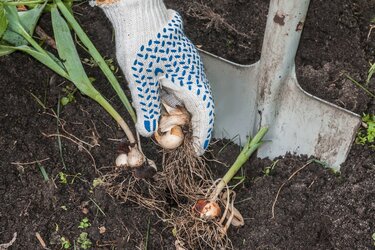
(315, 209)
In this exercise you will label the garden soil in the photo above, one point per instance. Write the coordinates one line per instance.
(315, 209)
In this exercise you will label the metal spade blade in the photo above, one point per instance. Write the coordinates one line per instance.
(267, 93)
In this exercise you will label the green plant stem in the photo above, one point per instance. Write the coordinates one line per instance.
(251, 146)
(38, 48)
(16, 3)
(58, 134)
(67, 50)
(43, 171)
(33, 42)
(97, 57)
(108, 107)
(21, 30)
(360, 85)
(97, 206)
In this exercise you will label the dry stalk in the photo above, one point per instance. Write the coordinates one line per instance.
(205, 13)
(41, 241)
(5, 246)
(283, 184)
(78, 143)
(29, 163)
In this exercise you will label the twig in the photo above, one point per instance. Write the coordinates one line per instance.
(41, 241)
(97, 206)
(372, 26)
(62, 124)
(7, 245)
(79, 145)
(24, 211)
(107, 244)
(114, 139)
(29, 163)
(282, 185)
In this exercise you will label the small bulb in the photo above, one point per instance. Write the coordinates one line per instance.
(177, 110)
(207, 209)
(122, 160)
(174, 116)
(171, 139)
(135, 158)
(167, 122)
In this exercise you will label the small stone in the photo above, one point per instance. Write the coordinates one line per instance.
(102, 229)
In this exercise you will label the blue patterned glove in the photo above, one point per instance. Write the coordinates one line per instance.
(156, 56)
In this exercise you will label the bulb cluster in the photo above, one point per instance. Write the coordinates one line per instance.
(170, 134)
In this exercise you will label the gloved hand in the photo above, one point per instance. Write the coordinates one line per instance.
(155, 56)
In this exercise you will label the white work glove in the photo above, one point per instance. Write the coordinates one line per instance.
(156, 56)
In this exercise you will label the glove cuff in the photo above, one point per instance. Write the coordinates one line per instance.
(135, 18)
(135, 22)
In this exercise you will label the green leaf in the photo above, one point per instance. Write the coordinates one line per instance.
(69, 55)
(30, 18)
(43, 58)
(367, 135)
(12, 16)
(64, 101)
(97, 57)
(3, 20)
(20, 22)
(371, 71)
(5, 50)
(70, 58)
(13, 38)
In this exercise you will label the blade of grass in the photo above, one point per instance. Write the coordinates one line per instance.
(58, 133)
(360, 85)
(43, 171)
(148, 233)
(44, 58)
(17, 3)
(69, 55)
(97, 206)
(371, 71)
(97, 57)
(38, 101)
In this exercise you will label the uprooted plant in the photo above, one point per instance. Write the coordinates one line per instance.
(204, 221)
(16, 32)
(184, 173)
(132, 166)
